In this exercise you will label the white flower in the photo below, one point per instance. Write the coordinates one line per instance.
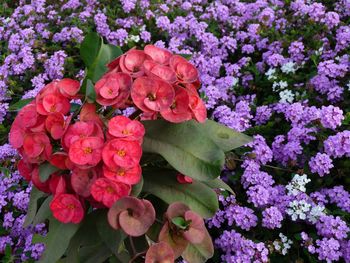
(283, 245)
(235, 82)
(319, 51)
(297, 184)
(276, 245)
(348, 85)
(298, 209)
(286, 96)
(134, 38)
(271, 74)
(279, 85)
(315, 213)
(289, 67)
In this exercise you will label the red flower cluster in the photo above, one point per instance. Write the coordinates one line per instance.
(96, 166)
(97, 159)
(158, 81)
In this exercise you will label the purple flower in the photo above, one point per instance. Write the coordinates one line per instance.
(54, 66)
(272, 218)
(331, 19)
(330, 226)
(321, 164)
(331, 117)
(263, 114)
(328, 249)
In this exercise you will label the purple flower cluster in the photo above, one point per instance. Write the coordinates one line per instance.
(239, 249)
(278, 70)
(13, 204)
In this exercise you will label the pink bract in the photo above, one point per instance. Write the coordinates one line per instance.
(86, 151)
(179, 111)
(160, 253)
(126, 129)
(129, 176)
(67, 208)
(151, 94)
(134, 216)
(120, 153)
(113, 89)
(69, 87)
(159, 55)
(108, 192)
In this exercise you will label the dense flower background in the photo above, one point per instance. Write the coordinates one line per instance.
(276, 70)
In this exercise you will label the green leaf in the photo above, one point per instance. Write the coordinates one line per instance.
(44, 211)
(90, 91)
(74, 107)
(112, 238)
(45, 170)
(105, 55)
(199, 253)
(5, 171)
(20, 104)
(180, 222)
(35, 195)
(86, 235)
(186, 56)
(90, 47)
(226, 138)
(97, 253)
(163, 184)
(57, 240)
(137, 188)
(186, 147)
(219, 184)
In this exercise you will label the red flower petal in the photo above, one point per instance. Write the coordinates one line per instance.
(127, 176)
(68, 87)
(179, 111)
(66, 208)
(108, 192)
(119, 153)
(160, 253)
(152, 94)
(159, 55)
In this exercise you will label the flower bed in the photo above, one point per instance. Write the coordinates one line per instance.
(276, 70)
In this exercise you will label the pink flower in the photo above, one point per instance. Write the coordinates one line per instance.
(134, 216)
(119, 153)
(81, 130)
(179, 110)
(126, 129)
(50, 100)
(37, 147)
(82, 180)
(159, 55)
(185, 71)
(113, 89)
(108, 192)
(69, 88)
(66, 208)
(129, 176)
(56, 125)
(152, 94)
(86, 151)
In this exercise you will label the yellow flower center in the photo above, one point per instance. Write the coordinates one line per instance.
(125, 132)
(53, 108)
(88, 150)
(121, 172)
(71, 206)
(109, 190)
(121, 153)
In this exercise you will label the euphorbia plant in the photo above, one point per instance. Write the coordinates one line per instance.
(100, 177)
